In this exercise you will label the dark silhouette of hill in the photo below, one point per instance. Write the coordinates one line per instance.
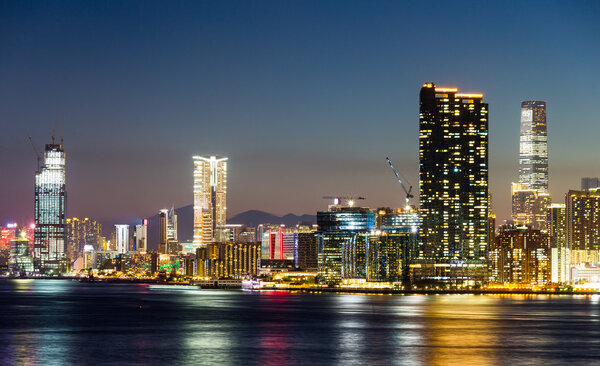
(185, 222)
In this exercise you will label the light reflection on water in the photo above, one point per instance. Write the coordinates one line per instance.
(62, 322)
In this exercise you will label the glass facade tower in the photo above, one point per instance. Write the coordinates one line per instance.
(210, 198)
(49, 250)
(453, 175)
(533, 147)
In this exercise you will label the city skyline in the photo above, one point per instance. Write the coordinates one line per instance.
(284, 129)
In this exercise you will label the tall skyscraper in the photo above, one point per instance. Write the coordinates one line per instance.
(583, 222)
(82, 232)
(122, 238)
(530, 196)
(141, 236)
(529, 206)
(521, 256)
(533, 156)
(557, 231)
(167, 230)
(210, 197)
(453, 177)
(50, 212)
(338, 228)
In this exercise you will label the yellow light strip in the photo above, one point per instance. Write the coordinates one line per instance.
(444, 90)
(470, 95)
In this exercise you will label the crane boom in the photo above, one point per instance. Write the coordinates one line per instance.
(408, 191)
(37, 154)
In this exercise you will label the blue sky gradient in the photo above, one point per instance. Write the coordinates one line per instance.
(306, 98)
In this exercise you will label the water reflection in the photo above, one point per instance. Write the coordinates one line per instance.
(61, 322)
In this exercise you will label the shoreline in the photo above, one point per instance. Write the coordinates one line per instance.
(314, 290)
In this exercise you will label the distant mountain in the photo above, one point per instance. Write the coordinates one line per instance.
(185, 222)
(256, 217)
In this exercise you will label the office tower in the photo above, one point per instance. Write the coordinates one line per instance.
(378, 256)
(279, 243)
(583, 226)
(338, 228)
(306, 257)
(82, 232)
(50, 212)
(228, 260)
(122, 238)
(172, 225)
(453, 179)
(167, 231)
(210, 197)
(557, 231)
(588, 182)
(529, 206)
(20, 262)
(406, 219)
(533, 147)
(521, 256)
(141, 236)
(523, 204)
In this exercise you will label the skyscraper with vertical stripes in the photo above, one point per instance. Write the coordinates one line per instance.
(210, 198)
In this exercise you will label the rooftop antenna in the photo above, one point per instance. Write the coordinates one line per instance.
(62, 126)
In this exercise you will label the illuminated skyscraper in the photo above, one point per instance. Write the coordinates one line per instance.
(529, 206)
(210, 197)
(521, 256)
(141, 236)
(81, 233)
(453, 177)
(533, 156)
(557, 231)
(338, 229)
(583, 224)
(167, 230)
(122, 238)
(50, 212)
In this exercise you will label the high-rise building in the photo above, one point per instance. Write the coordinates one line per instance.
(583, 224)
(533, 147)
(228, 260)
(122, 238)
(523, 204)
(210, 197)
(279, 243)
(378, 256)
(521, 256)
(589, 182)
(82, 232)
(167, 231)
(557, 230)
(50, 212)
(141, 236)
(338, 229)
(529, 206)
(20, 262)
(453, 178)
(306, 256)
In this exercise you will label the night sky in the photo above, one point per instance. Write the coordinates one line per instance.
(305, 98)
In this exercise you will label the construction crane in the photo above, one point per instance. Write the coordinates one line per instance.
(37, 154)
(408, 191)
(337, 199)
